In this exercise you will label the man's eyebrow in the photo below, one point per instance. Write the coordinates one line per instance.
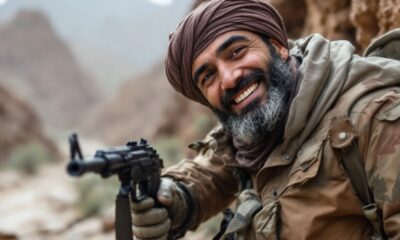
(229, 42)
(198, 72)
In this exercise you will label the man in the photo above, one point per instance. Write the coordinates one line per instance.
(292, 116)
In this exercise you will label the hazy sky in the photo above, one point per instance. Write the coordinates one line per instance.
(160, 2)
(112, 39)
(113, 26)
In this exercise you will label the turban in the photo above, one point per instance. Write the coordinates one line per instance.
(204, 24)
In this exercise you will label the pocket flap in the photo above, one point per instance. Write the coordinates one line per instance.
(390, 113)
(307, 163)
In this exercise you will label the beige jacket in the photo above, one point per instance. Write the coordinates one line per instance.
(305, 192)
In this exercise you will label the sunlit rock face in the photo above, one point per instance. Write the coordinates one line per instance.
(373, 18)
(358, 21)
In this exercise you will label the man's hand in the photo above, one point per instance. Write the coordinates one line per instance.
(150, 222)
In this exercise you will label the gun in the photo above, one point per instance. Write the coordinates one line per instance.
(138, 168)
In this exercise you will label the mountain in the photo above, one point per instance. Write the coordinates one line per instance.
(134, 111)
(112, 40)
(147, 107)
(40, 67)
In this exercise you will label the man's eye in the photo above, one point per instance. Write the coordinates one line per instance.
(236, 51)
(207, 77)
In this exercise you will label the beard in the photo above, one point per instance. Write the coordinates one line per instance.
(259, 118)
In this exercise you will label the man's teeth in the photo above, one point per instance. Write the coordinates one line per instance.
(246, 93)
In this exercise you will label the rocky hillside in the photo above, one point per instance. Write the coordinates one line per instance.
(134, 111)
(143, 107)
(38, 66)
(19, 125)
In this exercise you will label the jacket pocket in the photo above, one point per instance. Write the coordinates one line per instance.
(307, 163)
(266, 222)
(390, 113)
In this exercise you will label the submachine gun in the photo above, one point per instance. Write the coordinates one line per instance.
(138, 168)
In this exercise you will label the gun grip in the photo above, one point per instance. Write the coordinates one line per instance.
(123, 219)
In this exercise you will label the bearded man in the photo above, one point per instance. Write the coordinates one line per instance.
(315, 127)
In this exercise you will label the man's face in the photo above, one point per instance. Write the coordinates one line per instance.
(245, 82)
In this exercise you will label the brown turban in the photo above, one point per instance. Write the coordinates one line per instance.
(204, 24)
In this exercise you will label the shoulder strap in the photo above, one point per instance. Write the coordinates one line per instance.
(343, 139)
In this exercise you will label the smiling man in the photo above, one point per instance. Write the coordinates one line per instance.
(311, 129)
(245, 79)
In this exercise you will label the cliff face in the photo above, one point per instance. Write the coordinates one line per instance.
(37, 65)
(373, 18)
(358, 21)
(329, 18)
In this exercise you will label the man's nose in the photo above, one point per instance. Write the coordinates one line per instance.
(229, 77)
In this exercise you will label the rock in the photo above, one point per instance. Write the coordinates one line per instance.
(138, 107)
(358, 21)
(19, 124)
(7, 236)
(294, 13)
(85, 229)
(330, 18)
(39, 66)
(108, 219)
(373, 18)
(42, 205)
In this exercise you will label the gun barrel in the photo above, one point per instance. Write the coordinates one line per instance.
(78, 168)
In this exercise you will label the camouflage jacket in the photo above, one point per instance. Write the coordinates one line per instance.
(304, 190)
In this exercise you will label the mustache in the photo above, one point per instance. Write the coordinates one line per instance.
(256, 75)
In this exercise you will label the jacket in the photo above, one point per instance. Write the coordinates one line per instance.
(304, 190)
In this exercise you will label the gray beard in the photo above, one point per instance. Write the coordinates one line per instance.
(256, 124)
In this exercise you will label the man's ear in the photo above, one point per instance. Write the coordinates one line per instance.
(282, 51)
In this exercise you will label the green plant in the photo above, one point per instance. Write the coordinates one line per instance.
(169, 149)
(29, 157)
(95, 194)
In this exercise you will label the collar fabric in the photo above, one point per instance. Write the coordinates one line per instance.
(204, 24)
